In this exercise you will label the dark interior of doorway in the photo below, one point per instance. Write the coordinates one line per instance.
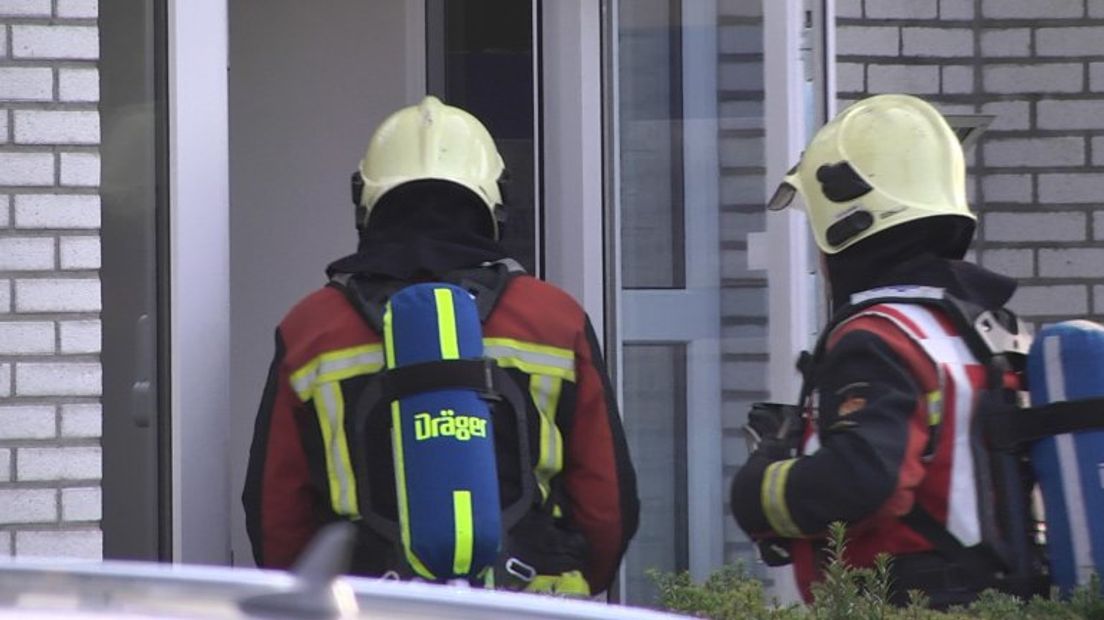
(480, 57)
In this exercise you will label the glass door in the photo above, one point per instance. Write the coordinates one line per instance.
(691, 112)
(669, 178)
(134, 189)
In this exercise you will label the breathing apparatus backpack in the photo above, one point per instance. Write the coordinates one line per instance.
(1016, 446)
(439, 400)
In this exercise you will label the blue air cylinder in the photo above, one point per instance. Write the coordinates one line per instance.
(1066, 363)
(443, 442)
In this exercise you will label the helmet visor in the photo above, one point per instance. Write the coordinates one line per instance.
(782, 197)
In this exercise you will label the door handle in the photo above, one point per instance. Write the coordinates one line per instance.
(142, 399)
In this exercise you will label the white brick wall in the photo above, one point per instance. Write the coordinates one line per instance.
(57, 211)
(1038, 66)
(26, 253)
(80, 252)
(902, 9)
(1071, 114)
(937, 41)
(1033, 9)
(81, 420)
(81, 504)
(1016, 263)
(57, 127)
(26, 84)
(1058, 77)
(1006, 42)
(1039, 152)
(28, 506)
(25, 8)
(80, 169)
(5, 465)
(1071, 188)
(58, 379)
(75, 463)
(78, 8)
(28, 422)
(26, 169)
(84, 544)
(956, 9)
(27, 338)
(80, 337)
(78, 85)
(59, 42)
(57, 295)
(50, 373)
(1054, 226)
(914, 79)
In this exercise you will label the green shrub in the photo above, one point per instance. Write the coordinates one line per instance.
(849, 593)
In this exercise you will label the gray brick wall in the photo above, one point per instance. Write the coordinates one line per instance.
(50, 372)
(1039, 66)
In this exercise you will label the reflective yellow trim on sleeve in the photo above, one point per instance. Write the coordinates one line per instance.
(320, 381)
(935, 408)
(531, 358)
(336, 366)
(330, 405)
(465, 531)
(773, 498)
(446, 324)
(545, 392)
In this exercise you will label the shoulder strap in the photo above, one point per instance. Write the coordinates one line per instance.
(1010, 432)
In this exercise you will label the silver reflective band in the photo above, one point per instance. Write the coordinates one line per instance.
(782, 197)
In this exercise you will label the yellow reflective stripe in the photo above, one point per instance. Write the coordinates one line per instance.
(336, 366)
(400, 490)
(531, 358)
(330, 405)
(388, 337)
(935, 408)
(545, 392)
(397, 455)
(465, 532)
(773, 498)
(446, 324)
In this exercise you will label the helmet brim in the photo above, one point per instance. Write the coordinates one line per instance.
(783, 196)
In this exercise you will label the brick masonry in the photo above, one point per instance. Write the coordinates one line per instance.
(742, 191)
(1038, 66)
(50, 371)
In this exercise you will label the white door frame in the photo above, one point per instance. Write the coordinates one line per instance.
(199, 315)
(790, 303)
(573, 220)
(577, 227)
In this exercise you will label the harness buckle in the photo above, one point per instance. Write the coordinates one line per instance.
(521, 570)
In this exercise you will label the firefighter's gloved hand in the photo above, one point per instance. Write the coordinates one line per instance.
(774, 430)
(775, 551)
(570, 584)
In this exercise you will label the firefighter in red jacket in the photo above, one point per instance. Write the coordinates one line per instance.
(429, 206)
(892, 395)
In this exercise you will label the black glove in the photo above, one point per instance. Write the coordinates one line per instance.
(775, 551)
(774, 430)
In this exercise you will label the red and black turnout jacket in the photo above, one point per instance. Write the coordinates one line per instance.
(300, 474)
(887, 427)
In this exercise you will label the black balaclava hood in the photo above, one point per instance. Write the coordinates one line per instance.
(904, 254)
(423, 229)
